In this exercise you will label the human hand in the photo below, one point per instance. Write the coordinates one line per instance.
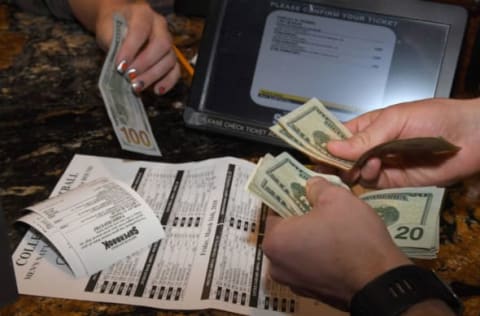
(334, 250)
(455, 120)
(146, 54)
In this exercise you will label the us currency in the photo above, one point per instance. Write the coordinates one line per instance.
(125, 109)
(261, 188)
(412, 217)
(410, 149)
(309, 128)
(280, 182)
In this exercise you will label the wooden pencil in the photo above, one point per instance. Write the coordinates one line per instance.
(183, 61)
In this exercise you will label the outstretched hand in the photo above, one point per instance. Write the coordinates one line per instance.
(455, 120)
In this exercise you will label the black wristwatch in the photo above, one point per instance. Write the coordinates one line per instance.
(393, 292)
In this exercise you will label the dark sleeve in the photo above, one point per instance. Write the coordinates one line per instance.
(58, 8)
(61, 8)
(163, 7)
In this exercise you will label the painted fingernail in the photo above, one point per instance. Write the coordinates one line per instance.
(122, 66)
(132, 74)
(137, 86)
(160, 90)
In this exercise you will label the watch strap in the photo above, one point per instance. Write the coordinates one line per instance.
(393, 292)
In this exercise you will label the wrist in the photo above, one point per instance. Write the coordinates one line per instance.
(108, 7)
(405, 290)
(388, 261)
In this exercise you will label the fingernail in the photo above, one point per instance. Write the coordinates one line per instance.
(122, 67)
(137, 86)
(160, 90)
(132, 74)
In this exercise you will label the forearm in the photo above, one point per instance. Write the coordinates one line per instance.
(57, 8)
(88, 11)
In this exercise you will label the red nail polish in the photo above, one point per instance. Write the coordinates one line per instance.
(132, 74)
(161, 90)
(137, 86)
(122, 66)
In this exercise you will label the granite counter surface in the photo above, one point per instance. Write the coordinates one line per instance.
(51, 109)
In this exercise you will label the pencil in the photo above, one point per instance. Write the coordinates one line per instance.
(183, 61)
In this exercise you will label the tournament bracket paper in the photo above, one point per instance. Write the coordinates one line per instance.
(96, 224)
(211, 257)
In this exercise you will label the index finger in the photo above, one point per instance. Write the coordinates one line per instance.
(138, 32)
(361, 122)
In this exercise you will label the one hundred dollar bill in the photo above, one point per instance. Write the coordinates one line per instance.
(125, 109)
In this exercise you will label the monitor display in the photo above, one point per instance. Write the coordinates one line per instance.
(261, 59)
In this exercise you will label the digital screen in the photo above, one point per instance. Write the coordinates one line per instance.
(348, 59)
(260, 59)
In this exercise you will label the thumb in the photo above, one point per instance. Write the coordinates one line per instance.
(369, 130)
(314, 188)
(353, 147)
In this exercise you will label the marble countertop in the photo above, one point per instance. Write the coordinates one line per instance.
(51, 109)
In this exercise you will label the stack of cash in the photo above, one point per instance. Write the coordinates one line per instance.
(280, 183)
(410, 214)
(308, 129)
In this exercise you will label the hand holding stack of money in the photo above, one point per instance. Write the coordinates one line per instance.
(310, 127)
(280, 183)
(410, 214)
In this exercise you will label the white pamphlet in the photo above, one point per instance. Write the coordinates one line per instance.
(210, 258)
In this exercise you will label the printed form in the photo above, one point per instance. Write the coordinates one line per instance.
(96, 224)
(210, 257)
